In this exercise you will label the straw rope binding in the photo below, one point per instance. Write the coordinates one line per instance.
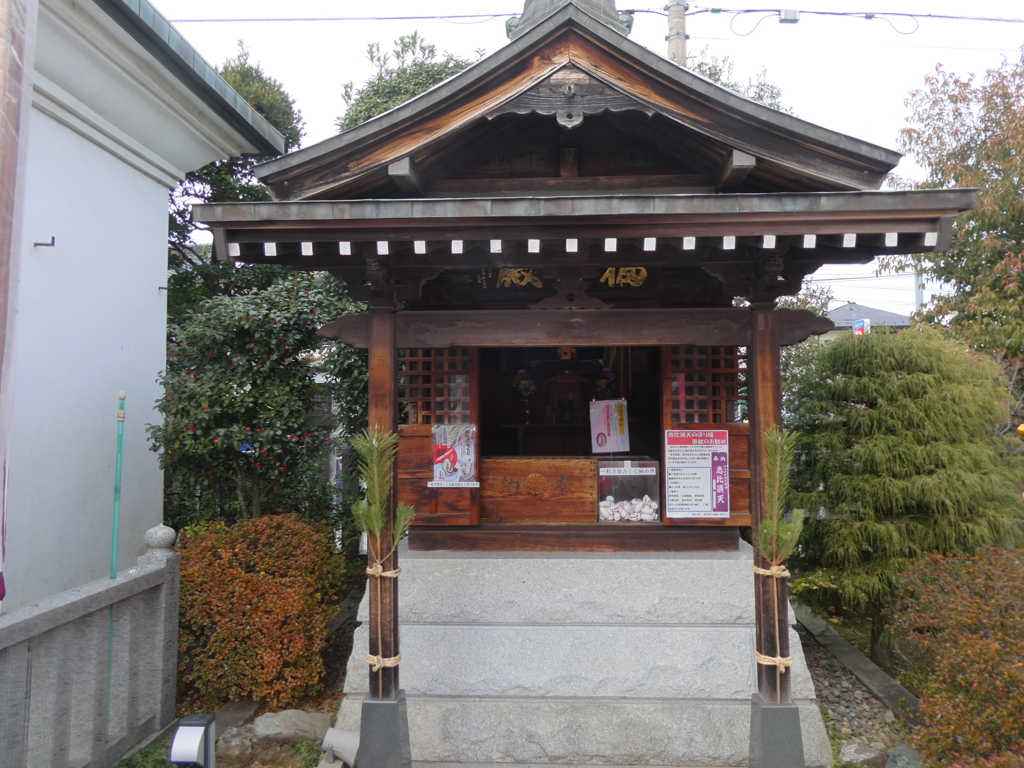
(780, 663)
(778, 571)
(377, 663)
(377, 570)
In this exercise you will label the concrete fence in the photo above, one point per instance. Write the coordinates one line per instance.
(87, 674)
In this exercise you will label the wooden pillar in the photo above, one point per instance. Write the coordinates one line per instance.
(383, 413)
(765, 400)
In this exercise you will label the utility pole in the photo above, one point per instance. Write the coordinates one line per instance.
(677, 36)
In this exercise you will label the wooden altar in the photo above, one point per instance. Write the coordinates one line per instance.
(575, 190)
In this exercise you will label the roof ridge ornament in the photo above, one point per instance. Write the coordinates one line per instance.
(536, 11)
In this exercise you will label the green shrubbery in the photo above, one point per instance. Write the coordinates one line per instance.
(897, 455)
(255, 602)
(963, 617)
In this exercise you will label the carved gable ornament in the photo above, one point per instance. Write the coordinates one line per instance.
(570, 94)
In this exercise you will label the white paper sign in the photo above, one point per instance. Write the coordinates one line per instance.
(609, 430)
(696, 473)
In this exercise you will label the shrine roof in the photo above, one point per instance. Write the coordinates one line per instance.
(755, 245)
(701, 214)
(630, 77)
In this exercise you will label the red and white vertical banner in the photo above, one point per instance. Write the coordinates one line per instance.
(696, 473)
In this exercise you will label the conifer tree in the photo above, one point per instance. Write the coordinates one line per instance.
(412, 67)
(896, 455)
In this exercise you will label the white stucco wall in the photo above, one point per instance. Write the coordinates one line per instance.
(110, 132)
(90, 322)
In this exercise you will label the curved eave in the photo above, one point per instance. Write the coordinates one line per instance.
(817, 228)
(427, 213)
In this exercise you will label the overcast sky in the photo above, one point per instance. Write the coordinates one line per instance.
(850, 74)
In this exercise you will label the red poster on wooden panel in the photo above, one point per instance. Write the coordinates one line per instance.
(454, 456)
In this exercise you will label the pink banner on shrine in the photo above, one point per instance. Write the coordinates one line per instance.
(720, 483)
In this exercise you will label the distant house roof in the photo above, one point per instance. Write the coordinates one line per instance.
(845, 315)
(154, 33)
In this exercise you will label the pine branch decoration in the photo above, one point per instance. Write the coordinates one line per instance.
(377, 451)
(777, 537)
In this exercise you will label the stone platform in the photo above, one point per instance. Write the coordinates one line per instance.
(550, 659)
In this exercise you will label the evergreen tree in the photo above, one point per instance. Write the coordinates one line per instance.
(896, 455)
(246, 367)
(414, 68)
(194, 276)
(238, 436)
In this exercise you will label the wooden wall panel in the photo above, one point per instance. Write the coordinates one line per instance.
(538, 489)
(739, 456)
(434, 506)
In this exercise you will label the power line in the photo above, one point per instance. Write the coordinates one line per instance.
(868, 15)
(481, 16)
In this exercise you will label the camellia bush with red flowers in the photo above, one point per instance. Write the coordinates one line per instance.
(255, 602)
(238, 439)
(962, 618)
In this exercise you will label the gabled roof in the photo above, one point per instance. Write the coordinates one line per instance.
(844, 316)
(523, 76)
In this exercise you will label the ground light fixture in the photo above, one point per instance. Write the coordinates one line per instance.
(341, 746)
(194, 742)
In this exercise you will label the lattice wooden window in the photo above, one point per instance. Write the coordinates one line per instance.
(434, 385)
(708, 384)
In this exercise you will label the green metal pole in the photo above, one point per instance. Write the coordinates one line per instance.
(117, 486)
(113, 552)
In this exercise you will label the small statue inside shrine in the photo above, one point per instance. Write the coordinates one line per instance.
(567, 397)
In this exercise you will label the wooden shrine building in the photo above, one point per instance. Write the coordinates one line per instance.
(573, 219)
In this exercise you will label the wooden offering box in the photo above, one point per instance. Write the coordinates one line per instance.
(538, 489)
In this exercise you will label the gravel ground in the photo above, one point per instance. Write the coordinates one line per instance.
(856, 714)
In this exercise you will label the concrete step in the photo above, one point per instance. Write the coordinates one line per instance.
(579, 658)
(574, 588)
(592, 661)
(555, 731)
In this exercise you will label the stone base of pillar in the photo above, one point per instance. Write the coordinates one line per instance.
(384, 734)
(776, 740)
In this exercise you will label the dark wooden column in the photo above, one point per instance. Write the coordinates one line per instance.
(383, 413)
(765, 400)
